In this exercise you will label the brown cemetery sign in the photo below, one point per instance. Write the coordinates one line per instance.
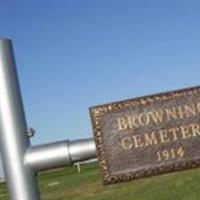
(148, 136)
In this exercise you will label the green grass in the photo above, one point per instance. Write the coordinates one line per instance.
(67, 184)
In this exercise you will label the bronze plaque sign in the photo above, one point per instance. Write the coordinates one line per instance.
(148, 136)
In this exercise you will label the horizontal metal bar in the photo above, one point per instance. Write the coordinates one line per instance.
(82, 150)
(59, 154)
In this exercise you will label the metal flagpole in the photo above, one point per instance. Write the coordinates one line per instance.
(21, 161)
(20, 180)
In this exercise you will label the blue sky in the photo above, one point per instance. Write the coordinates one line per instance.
(75, 54)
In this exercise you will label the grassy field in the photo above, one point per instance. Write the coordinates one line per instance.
(67, 184)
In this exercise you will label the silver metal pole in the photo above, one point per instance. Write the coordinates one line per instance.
(20, 180)
(60, 154)
(21, 162)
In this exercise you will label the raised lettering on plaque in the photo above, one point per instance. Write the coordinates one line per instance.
(148, 136)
